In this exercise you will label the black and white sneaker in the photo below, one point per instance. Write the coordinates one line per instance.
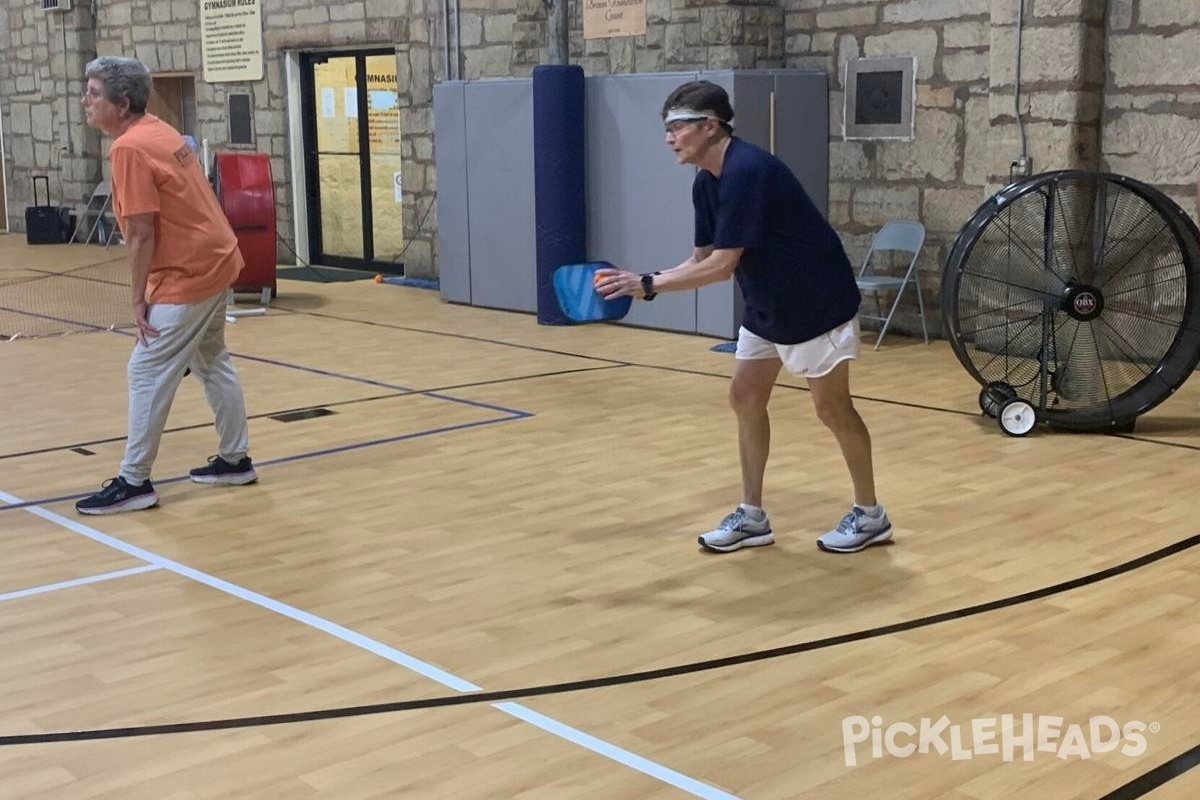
(219, 470)
(117, 495)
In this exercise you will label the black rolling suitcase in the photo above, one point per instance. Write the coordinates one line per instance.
(45, 224)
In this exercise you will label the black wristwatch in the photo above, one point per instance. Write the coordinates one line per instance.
(648, 286)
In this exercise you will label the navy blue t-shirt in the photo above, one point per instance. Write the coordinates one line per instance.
(795, 278)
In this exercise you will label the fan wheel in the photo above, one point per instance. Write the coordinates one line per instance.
(993, 396)
(1017, 417)
(1078, 293)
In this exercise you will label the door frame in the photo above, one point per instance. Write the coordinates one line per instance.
(295, 121)
(306, 155)
(177, 76)
(4, 226)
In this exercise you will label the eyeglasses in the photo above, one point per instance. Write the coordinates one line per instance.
(92, 94)
(678, 125)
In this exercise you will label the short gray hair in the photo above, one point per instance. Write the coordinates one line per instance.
(122, 78)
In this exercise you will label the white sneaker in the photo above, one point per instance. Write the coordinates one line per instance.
(736, 531)
(855, 532)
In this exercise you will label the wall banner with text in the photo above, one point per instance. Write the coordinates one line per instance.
(603, 19)
(231, 40)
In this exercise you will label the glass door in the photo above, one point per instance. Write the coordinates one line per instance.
(352, 146)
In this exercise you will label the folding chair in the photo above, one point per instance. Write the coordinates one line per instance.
(97, 207)
(898, 235)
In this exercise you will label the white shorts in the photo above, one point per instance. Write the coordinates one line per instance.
(810, 359)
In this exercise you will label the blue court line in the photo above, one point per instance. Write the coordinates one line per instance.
(286, 365)
(54, 587)
(298, 457)
(423, 668)
(311, 370)
(367, 381)
(511, 412)
(371, 382)
(316, 371)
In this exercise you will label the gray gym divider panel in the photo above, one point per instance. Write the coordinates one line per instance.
(453, 236)
(500, 194)
(639, 198)
(639, 209)
(802, 130)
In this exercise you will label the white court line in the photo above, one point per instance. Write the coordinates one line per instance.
(552, 726)
(643, 765)
(54, 587)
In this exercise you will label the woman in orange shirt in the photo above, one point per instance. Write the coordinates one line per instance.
(183, 257)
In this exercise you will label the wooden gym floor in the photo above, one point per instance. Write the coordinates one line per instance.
(477, 577)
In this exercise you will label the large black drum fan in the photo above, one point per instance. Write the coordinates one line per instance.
(1074, 299)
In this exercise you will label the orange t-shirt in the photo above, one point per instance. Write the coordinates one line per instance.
(195, 251)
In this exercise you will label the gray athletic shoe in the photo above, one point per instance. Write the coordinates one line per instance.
(855, 532)
(736, 531)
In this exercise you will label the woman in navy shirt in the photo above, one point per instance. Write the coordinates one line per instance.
(755, 221)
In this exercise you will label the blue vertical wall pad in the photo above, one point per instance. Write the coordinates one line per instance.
(559, 188)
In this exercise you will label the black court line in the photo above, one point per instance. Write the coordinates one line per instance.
(790, 387)
(617, 362)
(87, 326)
(465, 336)
(1144, 784)
(1130, 791)
(471, 698)
(684, 370)
(1160, 442)
(513, 414)
(77, 446)
(626, 363)
(49, 273)
(114, 439)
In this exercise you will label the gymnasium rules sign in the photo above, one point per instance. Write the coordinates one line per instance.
(231, 40)
(603, 19)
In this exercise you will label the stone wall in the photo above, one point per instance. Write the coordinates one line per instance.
(680, 35)
(966, 131)
(1151, 106)
(36, 86)
(40, 86)
(408, 26)
(1108, 84)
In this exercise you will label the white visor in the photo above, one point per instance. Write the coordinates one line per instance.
(689, 115)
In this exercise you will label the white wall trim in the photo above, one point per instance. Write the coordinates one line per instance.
(4, 179)
(295, 121)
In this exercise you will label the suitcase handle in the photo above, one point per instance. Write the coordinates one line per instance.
(46, 179)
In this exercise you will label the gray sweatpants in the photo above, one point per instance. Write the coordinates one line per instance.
(190, 335)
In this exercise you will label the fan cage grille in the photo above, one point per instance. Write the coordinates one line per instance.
(1010, 278)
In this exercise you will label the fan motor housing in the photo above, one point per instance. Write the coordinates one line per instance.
(1083, 303)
